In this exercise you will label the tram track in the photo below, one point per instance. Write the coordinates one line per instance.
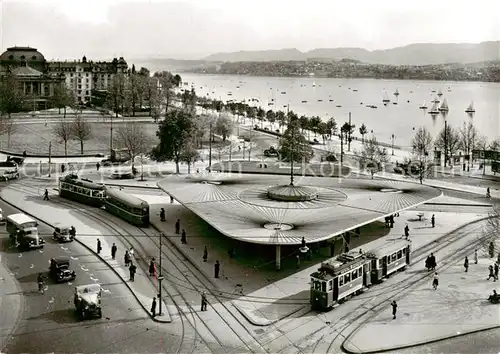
(126, 235)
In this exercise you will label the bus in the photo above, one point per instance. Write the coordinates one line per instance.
(23, 231)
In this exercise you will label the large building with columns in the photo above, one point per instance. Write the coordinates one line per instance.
(38, 77)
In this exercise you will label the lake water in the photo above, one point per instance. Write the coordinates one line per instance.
(399, 119)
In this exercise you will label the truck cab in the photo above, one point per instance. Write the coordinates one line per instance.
(23, 231)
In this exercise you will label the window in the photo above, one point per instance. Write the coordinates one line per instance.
(341, 280)
(404, 250)
(11, 57)
(354, 274)
(347, 278)
(330, 285)
(33, 57)
(323, 286)
(393, 257)
(317, 285)
(23, 57)
(400, 254)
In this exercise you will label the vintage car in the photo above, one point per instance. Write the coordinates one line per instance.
(271, 152)
(87, 301)
(63, 233)
(60, 271)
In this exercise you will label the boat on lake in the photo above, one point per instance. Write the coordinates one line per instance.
(423, 106)
(320, 100)
(436, 100)
(386, 99)
(396, 93)
(304, 101)
(440, 93)
(434, 109)
(471, 108)
(444, 106)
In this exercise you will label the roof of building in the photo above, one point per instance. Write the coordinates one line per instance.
(239, 206)
(27, 54)
(26, 71)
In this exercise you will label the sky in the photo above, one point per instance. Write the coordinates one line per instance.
(192, 29)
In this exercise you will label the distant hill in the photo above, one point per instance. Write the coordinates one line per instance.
(174, 65)
(412, 54)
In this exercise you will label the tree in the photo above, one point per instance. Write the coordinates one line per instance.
(11, 95)
(421, 163)
(64, 131)
(482, 145)
(281, 118)
(323, 130)
(332, 126)
(8, 127)
(224, 126)
(116, 94)
(174, 132)
(134, 91)
(314, 124)
(468, 137)
(62, 98)
(452, 139)
(495, 145)
(165, 86)
(131, 137)
(372, 157)
(81, 131)
(363, 131)
(271, 117)
(202, 127)
(293, 145)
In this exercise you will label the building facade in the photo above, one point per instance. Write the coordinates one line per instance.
(39, 78)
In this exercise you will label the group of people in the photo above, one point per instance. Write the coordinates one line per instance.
(430, 262)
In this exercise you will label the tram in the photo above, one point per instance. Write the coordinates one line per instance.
(127, 207)
(350, 273)
(82, 191)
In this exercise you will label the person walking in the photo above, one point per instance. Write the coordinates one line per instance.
(216, 269)
(152, 268)
(126, 258)
(433, 220)
(162, 214)
(432, 262)
(466, 264)
(113, 251)
(495, 268)
(492, 273)
(99, 246)
(435, 282)
(132, 270)
(407, 232)
(204, 301)
(177, 226)
(97, 166)
(205, 254)
(153, 307)
(46, 194)
(475, 257)
(41, 283)
(394, 309)
(183, 237)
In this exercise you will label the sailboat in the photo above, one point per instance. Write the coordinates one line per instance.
(436, 100)
(396, 93)
(423, 106)
(386, 98)
(471, 108)
(444, 106)
(434, 109)
(440, 93)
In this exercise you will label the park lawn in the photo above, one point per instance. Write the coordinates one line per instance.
(35, 138)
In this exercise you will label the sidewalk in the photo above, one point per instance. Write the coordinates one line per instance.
(457, 307)
(143, 288)
(11, 304)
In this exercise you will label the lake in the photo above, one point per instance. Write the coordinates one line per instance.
(323, 95)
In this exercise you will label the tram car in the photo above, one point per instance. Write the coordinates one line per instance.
(350, 273)
(82, 191)
(127, 207)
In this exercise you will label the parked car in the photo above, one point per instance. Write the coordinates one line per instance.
(271, 152)
(63, 233)
(87, 301)
(60, 270)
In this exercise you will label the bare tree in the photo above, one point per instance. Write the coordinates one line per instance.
(190, 154)
(482, 146)
(63, 98)
(165, 85)
(373, 157)
(8, 127)
(224, 126)
(116, 94)
(64, 131)
(448, 141)
(12, 96)
(81, 131)
(202, 127)
(421, 163)
(131, 136)
(468, 138)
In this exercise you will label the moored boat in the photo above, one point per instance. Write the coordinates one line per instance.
(444, 106)
(396, 93)
(423, 106)
(471, 108)
(434, 109)
(386, 99)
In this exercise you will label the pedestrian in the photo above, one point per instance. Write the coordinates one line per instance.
(153, 307)
(492, 249)
(433, 221)
(171, 200)
(152, 268)
(428, 263)
(495, 267)
(126, 258)
(183, 237)
(177, 226)
(407, 231)
(298, 261)
(162, 214)
(97, 166)
(435, 282)
(475, 257)
(492, 273)
(216, 269)
(131, 252)
(205, 254)
(63, 168)
(99, 246)
(303, 242)
(24, 154)
(46, 194)
(433, 262)
(466, 264)
(394, 309)
(204, 301)
(113, 251)
(132, 270)
(391, 222)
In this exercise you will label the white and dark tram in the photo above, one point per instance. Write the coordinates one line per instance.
(350, 273)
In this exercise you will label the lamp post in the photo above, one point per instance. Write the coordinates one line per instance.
(392, 136)
(210, 149)
(160, 278)
(50, 155)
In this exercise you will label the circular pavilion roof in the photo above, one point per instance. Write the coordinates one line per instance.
(241, 207)
(22, 54)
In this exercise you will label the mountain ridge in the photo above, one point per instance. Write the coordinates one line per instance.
(410, 54)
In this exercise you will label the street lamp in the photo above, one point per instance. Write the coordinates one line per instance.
(392, 144)
(160, 277)
(210, 149)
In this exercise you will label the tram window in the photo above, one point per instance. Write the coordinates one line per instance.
(341, 280)
(317, 285)
(393, 257)
(404, 251)
(354, 274)
(323, 286)
(388, 259)
(347, 278)
(374, 264)
(330, 285)
(400, 254)
(312, 283)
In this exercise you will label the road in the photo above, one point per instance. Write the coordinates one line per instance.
(49, 323)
